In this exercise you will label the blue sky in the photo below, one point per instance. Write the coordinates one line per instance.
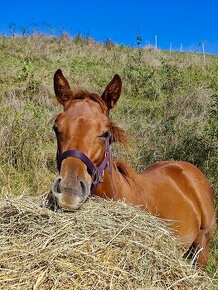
(177, 22)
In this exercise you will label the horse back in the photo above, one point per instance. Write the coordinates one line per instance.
(179, 189)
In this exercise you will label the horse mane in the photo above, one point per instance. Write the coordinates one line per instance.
(118, 135)
(124, 169)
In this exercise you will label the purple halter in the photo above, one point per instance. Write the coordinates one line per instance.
(97, 174)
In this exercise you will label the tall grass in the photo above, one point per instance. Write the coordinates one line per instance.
(169, 105)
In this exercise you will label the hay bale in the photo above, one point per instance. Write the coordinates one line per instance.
(104, 245)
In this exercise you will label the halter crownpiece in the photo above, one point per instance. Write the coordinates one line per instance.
(96, 173)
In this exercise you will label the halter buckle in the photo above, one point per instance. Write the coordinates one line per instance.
(97, 177)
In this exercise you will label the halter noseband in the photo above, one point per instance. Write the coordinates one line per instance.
(96, 173)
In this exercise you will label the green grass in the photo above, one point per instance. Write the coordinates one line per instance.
(169, 106)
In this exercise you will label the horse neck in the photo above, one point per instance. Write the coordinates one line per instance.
(118, 185)
(112, 183)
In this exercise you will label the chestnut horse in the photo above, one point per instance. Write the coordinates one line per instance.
(176, 191)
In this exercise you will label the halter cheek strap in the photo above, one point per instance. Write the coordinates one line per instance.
(96, 173)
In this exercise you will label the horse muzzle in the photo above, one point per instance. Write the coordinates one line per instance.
(70, 196)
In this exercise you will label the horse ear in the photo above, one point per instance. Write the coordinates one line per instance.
(62, 88)
(112, 92)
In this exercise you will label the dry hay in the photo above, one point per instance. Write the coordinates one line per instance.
(104, 245)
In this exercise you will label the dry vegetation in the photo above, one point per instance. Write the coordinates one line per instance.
(169, 106)
(104, 245)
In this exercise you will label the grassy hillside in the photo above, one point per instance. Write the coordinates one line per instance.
(169, 105)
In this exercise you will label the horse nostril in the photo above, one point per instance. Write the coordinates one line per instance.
(83, 187)
(57, 185)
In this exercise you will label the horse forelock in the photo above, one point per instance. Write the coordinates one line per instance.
(81, 94)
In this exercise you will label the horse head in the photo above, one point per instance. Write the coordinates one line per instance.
(83, 133)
